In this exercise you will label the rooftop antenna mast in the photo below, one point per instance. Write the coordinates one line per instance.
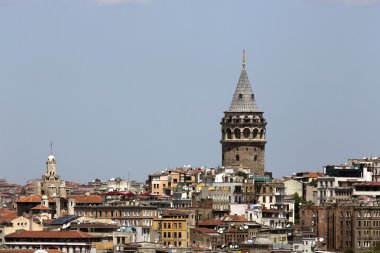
(243, 59)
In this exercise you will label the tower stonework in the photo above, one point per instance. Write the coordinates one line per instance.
(244, 129)
(51, 185)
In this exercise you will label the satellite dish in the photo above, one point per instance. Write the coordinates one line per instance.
(245, 227)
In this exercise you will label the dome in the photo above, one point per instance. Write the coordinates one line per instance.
(261, 240)
(44, 197)
(51, 158)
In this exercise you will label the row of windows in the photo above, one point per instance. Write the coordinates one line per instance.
(369, 223)
(368, 233)
(173, 225)
(172, 235)
(175, 244)
(120, 213)
(326, 184)
(22, 224)
(366, 244)
(327, 193)
(247, 133)
(369, 213)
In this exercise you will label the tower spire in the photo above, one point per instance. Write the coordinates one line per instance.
(243, 99)
(51, 147)
(243, 59)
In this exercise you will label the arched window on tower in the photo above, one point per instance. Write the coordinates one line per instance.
(261, 133)
(237, 158)
(246, 133)
(254, 133)
(229, 133)
(237, 133)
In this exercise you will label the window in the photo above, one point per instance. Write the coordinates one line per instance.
(237, 133)
(179, 234)
(237, 157)
(246, 133)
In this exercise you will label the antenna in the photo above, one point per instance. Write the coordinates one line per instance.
(51, 147)
(243, 59)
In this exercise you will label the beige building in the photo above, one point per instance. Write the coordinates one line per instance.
(173, 228)
(293, 186)
(165, 182)
(269, 193)
(21, 223)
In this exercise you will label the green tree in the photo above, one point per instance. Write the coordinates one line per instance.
(297, 201)
(348, 250)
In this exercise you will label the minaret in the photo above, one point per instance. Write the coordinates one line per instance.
(243, 129)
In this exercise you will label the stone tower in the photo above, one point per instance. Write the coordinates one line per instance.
(243, 129)
(51, 184)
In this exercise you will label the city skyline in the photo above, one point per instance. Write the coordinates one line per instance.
(124, 88)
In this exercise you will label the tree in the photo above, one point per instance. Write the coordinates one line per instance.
(348, 250)
(297, 201)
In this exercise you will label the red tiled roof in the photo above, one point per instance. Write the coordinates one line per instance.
(5, 211)
(176, 212)
(211, 223)
(7, 215)
(204, 230)
(50, 234)
(86, 199)
(313, 174)
(40, 207)
(34, 198)
(234, 218)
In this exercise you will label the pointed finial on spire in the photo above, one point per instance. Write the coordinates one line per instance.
(243, 59)
(51, 147)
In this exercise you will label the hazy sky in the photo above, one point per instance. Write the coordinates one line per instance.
(138, 86)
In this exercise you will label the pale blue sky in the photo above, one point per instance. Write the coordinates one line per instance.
(139, 86)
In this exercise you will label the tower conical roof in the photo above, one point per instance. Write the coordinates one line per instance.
(243, 99)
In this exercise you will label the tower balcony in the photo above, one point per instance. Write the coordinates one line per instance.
(263, 141)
